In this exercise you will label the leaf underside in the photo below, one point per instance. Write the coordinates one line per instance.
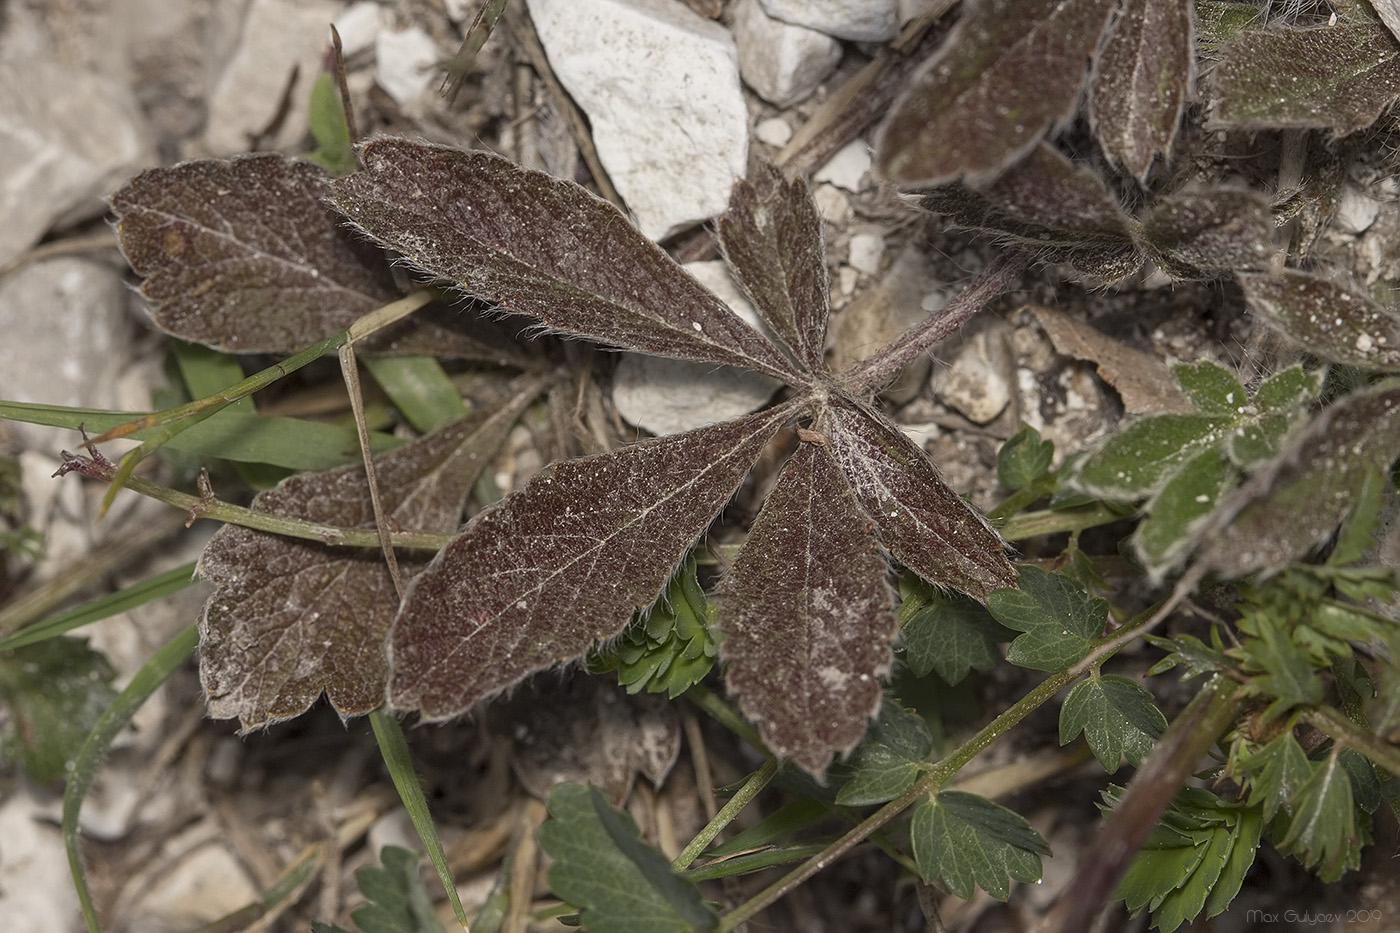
(806, 633)
(1330, 320)
(1329, 77)
(771, 237)
(541, 246)
(1205, 233)
(562, 563)
(921, 521)
(1009, 70)
(1141, 78)
(245, 255)
(1045, 205)
(290, 618)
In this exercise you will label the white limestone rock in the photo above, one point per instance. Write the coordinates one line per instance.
(667, 396)
(660, 86)
(862, 20)
(36, 887)
(773, 132)
(277, 35)
(783, 63)
(358, 26)
(68, 137)
(848, 168)
(975, 381)
(76, 340)
(1356, 211)
(403, 65)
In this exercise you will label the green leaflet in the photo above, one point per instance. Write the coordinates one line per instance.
(1116, 716)
(947, 632)
(888, 760)
(1325, 831)
(1058, 617)
(620, 884)
(398, 901)
(1024, 458)
(1194, 860)
(1186, 464)
(968, 842)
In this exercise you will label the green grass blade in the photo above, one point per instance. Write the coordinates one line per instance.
(394, 747)
(419, 387)
(151, 675)
(129, 598)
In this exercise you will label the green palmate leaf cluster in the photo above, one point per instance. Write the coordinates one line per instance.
(1195, 859)
(1184, 464)
(53, 691)
(397, 900)
(669, 648)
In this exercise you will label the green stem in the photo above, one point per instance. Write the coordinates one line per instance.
(1344, 732)
(332, 535)
(393, 746)
(112, 721)
(936, 777)
(1055, 521)
(701, 696)
(741, 799)
(182, 417)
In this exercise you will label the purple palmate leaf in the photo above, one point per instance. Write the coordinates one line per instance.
(563, 563)
(245, 255)
(807, 614)
(290, 618)
(545, 247)
(924, 524)
(772, 240)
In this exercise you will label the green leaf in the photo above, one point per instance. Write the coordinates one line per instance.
(53, 693)
(952, 634)
(1138, 459)
(1164, 538)
(1290, 389)
(398, 901)
(1324, 831)
(1007, 72)
(1276, 773)
(968, 842)
(419, 387)
(1286, 675)
(1061, 621)
(799, 814)
(1338, 77)
(1117, 717)
(601, 866)
(888, 760)
(1024, 458)
(1191, 654)
(1194, 860)
(335, 150)
(669, 647)
(1211, 388)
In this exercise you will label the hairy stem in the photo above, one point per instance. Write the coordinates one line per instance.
(1344, 732)
(877, 370)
